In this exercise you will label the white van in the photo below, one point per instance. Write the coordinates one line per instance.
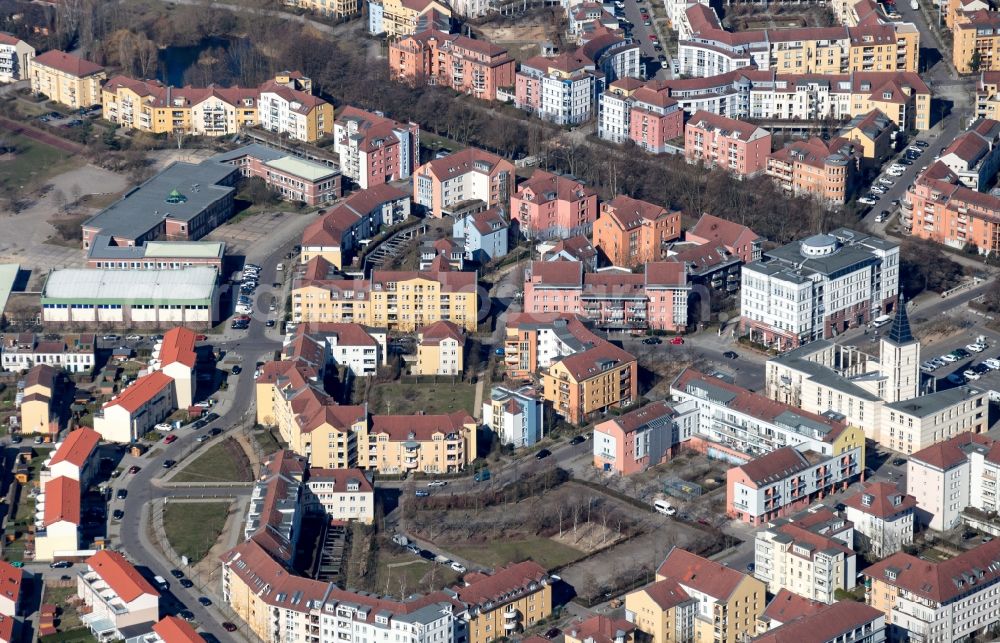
(664, 507)
(882, 321)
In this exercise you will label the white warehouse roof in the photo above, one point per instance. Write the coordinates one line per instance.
(196, 283)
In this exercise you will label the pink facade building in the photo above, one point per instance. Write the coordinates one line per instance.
(654, 120)
(547, 206)
(635, 441)
(727, 143)
(734, 238)
(295, 179)
(374, 149)
(616, 300)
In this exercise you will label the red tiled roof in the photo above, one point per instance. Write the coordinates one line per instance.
(62, 501)
(488, 221)
(10, 581)
(775, 465)
(440, 330)
(462, 162)
(7, 39)
(948, 454)
(340, 477)
(599, 629)
(77, 447)
(41, 375)
(588, 363)
(557, 273)
(735, 128)
(491, 588)
(175, 630)
(178, 346)
(943, 581)
(634, 420)
(885, 500)
(418, 427)
(786, 607)
(701, 574)
(347, 334)
(124, 579)
(450, 281)
(665, 273)
(305, 99)
(817, 542)
(630, 213)
(141, 391)
(578, 247)
(67, 63)
(545, 186)
(666, 594)
(830, 623)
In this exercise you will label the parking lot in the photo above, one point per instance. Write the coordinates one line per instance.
(74, 119)
(965, 365)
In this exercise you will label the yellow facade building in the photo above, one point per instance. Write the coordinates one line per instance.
(396, 444)
(400, 300)
(38, 412)
(67, 79)
(976, 42)
(508, 601)
(591, 381)
(332, 8)
(400, 17)
(440, 349)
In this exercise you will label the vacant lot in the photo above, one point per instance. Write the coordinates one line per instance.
(545, 551)
(31, 165)
(193, 527)
(222, 462)
(402, 398)
(402, 574)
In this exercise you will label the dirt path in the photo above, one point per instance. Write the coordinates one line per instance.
(41, 136)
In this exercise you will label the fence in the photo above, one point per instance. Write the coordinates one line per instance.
(682, 488)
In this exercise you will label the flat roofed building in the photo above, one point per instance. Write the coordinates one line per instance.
(294, 178)
(133, 298)
(184, 202)
(154, 255)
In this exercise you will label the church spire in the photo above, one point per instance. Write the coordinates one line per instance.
(900, 330)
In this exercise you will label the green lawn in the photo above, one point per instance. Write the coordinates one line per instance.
(547, 553)
(404, 398)
(267, 442)
(79, 635)
(222, 462)
(32, 165)
(193, 527)
(67, 616)
(400, 575)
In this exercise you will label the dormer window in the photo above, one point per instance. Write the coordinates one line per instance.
(887, 95)
(867, 499)
(890, 574)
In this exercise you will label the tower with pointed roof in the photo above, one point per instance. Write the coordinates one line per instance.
(900, 359)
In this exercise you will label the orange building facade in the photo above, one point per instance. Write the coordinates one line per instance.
(432, 57)
(630, 232)
(938, 208)
(548, 206)
(826, 171)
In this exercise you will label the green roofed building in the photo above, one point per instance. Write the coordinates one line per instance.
(130, 298)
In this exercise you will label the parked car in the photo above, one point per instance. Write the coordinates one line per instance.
(552, 632)
(482, 475)
(169, 463)
(170, 439)
(921, 143)
(229, 627)
(421, 493)
(186, 583)
(541, 455)
(676, 341)
(437, 483)
(578, 439)
(458, 567)
(731, 355)
(898, 462)
(122, 494)
(236, 370)
(202, 438)
(133, 338)
(134, 469)
(61, 564)
(205, 601)
(164, 426)
(867, 200)
(652, 340)
(970, 374)
(118, 514)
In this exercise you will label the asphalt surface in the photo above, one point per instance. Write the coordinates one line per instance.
(641, 33)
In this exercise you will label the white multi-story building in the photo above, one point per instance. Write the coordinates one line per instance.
(358, 348)
(932, 600)
(298, 114)
(561, 89)
(947, 477)
(137, 409)
(787, 556)
(514, 415)
(341, 494)
(117, 594)
(73, 353)
(15, 58)
(175, 355)
(883, 518)
(818, 287)
(841, 622)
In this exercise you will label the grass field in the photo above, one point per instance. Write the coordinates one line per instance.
(267, 442)
(193, 527)
(32, 165)
(402, 398)
(547, 553)
(222, 462)
(79, 635)
(401, 574)
(68, 618)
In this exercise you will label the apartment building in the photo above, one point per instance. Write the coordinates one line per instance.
(15, 59)
(786, 480)
(67, 79)
(974, 156)
(938, 207)
(817, 287)
(75, 458)
(552, 206)
(950, 600)
(467, 175)
(440, 349)
(976, 41)
(988, 95)
(637, 440)
(358, 348)
(593, 381)
(662, 611)
(175, 356)
(737, 240)
(841, 622)
(337, 234)
(395, 19)
(534, 341)
(475, 67)
(57, 522)
(632, 111)
(40, 406)
(631, 232)
(484, 235)
(874, 136)
(137, 409)
(653, 299)
(295, 179)
(739, 424)
(403, 300)
(600, 629)
(11, 580)
(575, 248)
(374, 149)
(295, 113)
(714, 251)
(726, 143)
(825, 170)
(785, 608)
(870, 46)
(173, 629)
(154, 255)
(431, 444)
(277, 505)
(561, 89)
(510, 600)
(331, 8)
(947, 477)
(442, 252)
(787, 556)
(515, 415)
(73, 353)
(117, 594)
(726, 602)
(883, 518)
(340, 494)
